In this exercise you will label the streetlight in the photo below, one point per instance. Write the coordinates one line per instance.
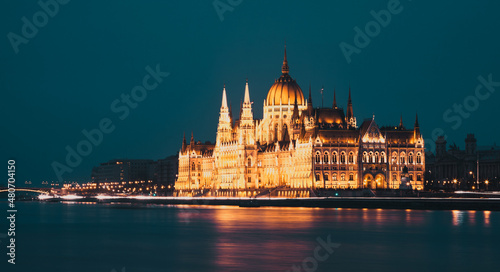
(455, 181)
(486, 182)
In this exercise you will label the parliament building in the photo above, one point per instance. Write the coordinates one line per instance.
(298, 148)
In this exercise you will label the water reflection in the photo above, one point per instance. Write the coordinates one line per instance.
(472, 218)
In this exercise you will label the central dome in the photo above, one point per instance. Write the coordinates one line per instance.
(285, 89)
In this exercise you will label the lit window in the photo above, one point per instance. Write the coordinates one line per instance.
(318, 157)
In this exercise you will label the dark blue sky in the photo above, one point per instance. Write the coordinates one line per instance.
(64, 79)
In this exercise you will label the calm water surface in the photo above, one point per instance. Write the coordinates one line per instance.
(102, 237)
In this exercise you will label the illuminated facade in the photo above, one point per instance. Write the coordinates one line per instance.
(296, 146)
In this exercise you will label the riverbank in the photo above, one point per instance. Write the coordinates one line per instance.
(480, 204)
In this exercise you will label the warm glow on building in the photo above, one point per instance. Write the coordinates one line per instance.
(297, 147)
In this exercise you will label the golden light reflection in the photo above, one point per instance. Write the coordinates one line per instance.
(472, 217)
(458, 217)
(487, 218)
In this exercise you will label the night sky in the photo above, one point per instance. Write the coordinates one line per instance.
(65, 77)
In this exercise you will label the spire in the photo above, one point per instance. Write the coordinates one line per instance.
(184, 142)
(401, 122)
(349, 113)
(247, 94)
(416, 129)
(192, 139)
(224, 99)
(334, 99)
(349, 101)
(284, 68)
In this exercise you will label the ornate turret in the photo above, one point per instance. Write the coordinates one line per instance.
(224, 129)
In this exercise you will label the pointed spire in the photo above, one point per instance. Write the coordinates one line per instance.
(349, 101)
(349, 113)
(247, 94)
(224, 99)
(416, 129)
(284, 68)
(334, 99)
(184, 142)
(192, 139)
(401, 122)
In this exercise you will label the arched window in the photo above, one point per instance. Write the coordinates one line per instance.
(372, 158)
(325, 157)
(382, 157)
(394, 158)
(419, 177)
(193, 167)
(342, 177)
(403, 158)
(342, 157)
(318, 157)
(376, 157)
(351, 177)
(334, 176)
(334, 157)
(249, 162)
(365, 157)
(419, 158)
(394, 177)
(410, 158)
(351, 157)
(325, 176)
(318, 177)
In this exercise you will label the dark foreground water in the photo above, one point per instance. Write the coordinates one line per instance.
(120, 237)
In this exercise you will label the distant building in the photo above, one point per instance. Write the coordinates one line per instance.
(137, 176)
(453, 168)
(300, 147)
(123, 172)
(166, 172)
